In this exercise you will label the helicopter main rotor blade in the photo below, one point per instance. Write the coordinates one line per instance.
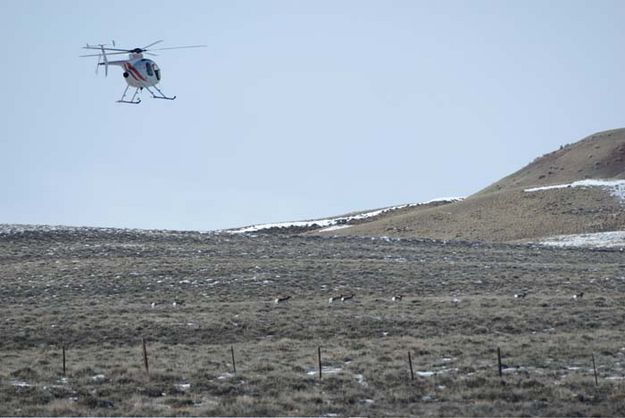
(105, 48)
(98, 55)
(152, 44)
(179, 47)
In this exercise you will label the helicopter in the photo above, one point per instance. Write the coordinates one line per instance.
(139, 72)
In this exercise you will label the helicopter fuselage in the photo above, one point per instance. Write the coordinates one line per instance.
(141, 72)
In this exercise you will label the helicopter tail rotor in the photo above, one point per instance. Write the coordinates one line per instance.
(106, 61)
(102, 58)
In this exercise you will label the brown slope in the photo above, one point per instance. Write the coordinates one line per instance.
(598, 156)
(504, 212)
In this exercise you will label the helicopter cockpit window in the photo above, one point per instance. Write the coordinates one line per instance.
(148, 67)
(158, 72)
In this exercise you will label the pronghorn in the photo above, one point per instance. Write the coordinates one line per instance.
(281, 299)
(397, 298)
(520, 295)
(333, 298)
(578, 295)
(347, 297)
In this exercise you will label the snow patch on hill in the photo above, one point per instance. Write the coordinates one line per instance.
(339, 222)
(334, 228)
(615, 187)
(612, 239)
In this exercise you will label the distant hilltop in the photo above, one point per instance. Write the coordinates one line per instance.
(598, 156)
(576, 189)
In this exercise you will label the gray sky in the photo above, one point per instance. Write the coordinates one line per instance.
(296, 109)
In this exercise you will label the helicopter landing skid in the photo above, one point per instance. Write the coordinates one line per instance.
(131, 101)
(164, 98)
(162, 95)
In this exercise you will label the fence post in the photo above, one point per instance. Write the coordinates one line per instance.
(145, 358)
(234, 365)
(499, 363)
(410, 363)
(64, 369)
(594, 366)
(319, 359)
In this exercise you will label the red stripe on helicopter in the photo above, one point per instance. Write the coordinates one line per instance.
(130, 72)
(133, 71)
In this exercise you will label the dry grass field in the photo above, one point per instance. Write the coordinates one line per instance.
(99, 292)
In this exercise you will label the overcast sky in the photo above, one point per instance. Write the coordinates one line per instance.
(296, 109)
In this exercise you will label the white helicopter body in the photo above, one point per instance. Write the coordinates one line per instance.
(139, 72)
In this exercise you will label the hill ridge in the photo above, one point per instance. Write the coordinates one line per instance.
(599, 156)
(505, 212)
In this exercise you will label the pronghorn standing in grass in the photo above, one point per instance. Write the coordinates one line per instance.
(397, 298)
(347, 297)
(333, 298)
(281, 299)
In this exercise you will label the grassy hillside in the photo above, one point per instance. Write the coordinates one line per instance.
(503, 212)
(598, 156)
